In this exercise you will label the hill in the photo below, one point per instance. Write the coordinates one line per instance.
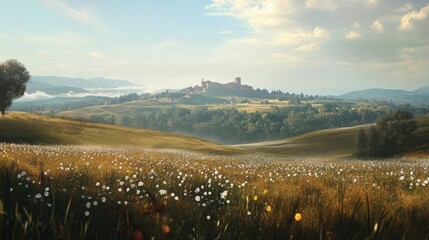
(18, 127)
(35, 85)
(334, 143)
(423, 90)
(395, 96)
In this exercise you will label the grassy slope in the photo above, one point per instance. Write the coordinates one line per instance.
(336, 143)
(18, 127)
(132, 108)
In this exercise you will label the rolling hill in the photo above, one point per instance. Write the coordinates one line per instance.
(395, 96)
(35, 85)
(423, 90)
(19, 127)
(333, 143)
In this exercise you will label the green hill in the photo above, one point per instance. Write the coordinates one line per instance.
(19, 127)
(395, 96)
(335, 143)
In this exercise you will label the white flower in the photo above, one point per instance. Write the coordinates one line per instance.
(223, 194)
(197, 198)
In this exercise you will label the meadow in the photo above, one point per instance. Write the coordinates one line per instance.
(83, 192)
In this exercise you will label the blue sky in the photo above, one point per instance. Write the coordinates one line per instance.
(311, 46)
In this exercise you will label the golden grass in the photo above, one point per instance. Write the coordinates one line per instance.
(131, 108)
(324, 192)
(334, 143)
(21, 127)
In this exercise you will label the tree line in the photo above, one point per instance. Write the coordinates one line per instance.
(391, 134)
(232, 126)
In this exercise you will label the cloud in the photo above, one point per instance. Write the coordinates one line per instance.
(404, 9)
(407, 19)
(259, 14)
(299, 36)
(377, 26)
(308, 47)
(372, 2)
(352, 35)
(78, 15)
(322, 4)
(38, 95)
(356, 24)
(97, 55)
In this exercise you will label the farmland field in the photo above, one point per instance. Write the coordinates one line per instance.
(83, 192)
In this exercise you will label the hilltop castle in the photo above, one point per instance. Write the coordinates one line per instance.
(215, 88)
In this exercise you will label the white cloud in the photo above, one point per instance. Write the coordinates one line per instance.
(300, 36)
(97, 55)
(404, 9)
(372, 2)
(259, 14)
(38, 95)
(78, 15)
(407, 19)
(352, 35)
(377, 26)
(322, 4)
(308, 47)
(356, 24)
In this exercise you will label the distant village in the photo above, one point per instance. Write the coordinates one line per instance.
(215, 88)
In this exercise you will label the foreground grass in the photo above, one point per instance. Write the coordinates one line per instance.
(19, 127)
(73, 192)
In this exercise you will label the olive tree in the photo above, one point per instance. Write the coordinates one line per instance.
(13, 80)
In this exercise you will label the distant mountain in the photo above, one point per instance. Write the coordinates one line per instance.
(35, 85)
(423, 90)
(81, 82)
(395, 96)
(57, 101)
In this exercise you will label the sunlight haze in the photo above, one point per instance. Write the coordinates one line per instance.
(312, 46)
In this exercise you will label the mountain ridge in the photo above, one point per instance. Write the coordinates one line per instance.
(396, 96)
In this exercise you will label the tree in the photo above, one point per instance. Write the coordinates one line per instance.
(13, 79)
(361, 142)
(390, 136)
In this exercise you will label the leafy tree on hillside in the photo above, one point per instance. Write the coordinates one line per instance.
(13, 79)
(361, 142)
(391, 134)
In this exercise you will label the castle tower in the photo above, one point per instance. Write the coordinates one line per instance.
(238, 81)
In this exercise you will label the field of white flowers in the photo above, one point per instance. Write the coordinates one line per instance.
(76, 192)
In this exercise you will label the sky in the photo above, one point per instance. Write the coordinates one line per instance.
(311, 46)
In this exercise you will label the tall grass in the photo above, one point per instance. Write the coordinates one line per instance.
(57, 192)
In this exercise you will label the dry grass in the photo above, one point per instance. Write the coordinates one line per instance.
(201, 196)
(17, 127)
(335, 143)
